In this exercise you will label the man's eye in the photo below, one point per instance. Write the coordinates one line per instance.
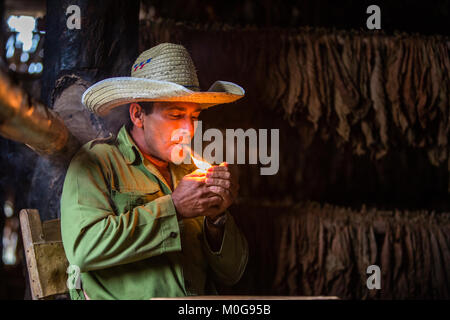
(175, 116)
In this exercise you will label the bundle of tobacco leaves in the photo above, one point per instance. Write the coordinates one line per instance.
(370, 90)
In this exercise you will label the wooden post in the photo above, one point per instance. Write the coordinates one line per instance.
(105, 46)
(45, 257)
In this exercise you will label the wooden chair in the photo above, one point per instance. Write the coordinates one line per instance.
(45, 256)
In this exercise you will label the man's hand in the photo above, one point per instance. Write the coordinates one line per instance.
(221, 181)
(192, 197)
(210, 194)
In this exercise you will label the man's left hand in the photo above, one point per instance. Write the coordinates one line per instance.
(220, 180)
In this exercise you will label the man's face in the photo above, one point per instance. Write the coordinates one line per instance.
(167, 119)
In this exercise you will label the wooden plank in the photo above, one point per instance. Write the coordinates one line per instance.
(44, 253)
(29, 218)
(52, 230)
(51, 263)
(35, 225)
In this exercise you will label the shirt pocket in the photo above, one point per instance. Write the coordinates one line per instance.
(127, 200)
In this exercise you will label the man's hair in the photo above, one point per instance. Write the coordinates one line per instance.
(147, 106)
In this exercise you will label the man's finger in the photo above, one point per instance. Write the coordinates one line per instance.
(211, 201)
(224, 193)
(196, 173)
(234, 183)
(218, 182)
(219, 174)
(218, 168)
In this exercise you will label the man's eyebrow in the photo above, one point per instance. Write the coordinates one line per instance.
(176, 108)
(182, 108)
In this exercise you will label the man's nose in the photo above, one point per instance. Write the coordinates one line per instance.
(188, 125)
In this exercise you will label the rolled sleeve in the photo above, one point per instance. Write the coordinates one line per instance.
(228, 264)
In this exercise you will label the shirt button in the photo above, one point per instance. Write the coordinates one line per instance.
(173, 234)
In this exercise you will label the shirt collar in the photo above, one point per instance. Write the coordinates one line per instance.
(128, 147)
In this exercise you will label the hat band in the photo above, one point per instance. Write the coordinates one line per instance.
(189, 87)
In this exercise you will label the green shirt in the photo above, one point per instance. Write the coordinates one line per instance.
(120, 227)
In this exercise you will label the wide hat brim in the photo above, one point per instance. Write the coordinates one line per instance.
(107, 94)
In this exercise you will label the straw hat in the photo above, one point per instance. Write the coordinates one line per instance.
(162, 73)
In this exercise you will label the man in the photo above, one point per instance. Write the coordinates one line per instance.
(137, 225)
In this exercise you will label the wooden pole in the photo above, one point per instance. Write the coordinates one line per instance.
(105, 46)
(30, 122)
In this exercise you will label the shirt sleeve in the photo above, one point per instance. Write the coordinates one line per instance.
(96, 236)
(228, 264)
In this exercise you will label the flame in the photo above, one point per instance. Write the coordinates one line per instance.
(199, 162)
(202, 165)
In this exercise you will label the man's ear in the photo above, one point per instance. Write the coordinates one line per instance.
(137, 115)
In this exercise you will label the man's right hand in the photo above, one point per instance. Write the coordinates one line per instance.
(193, 198)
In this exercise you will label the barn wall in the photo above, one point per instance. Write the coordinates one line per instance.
(322, 249)
(363, 124)
(340, 140)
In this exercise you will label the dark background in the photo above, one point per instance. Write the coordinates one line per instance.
(403, 179)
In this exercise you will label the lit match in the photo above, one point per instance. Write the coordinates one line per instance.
(202, 165)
